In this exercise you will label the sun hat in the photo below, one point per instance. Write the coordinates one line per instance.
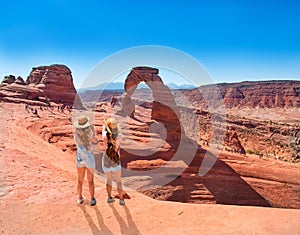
(111, 121)
(81, 122)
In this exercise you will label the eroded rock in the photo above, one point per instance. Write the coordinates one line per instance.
(45, 83)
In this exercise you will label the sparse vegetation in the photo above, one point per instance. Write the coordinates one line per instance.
(281, 145)
(256, 152)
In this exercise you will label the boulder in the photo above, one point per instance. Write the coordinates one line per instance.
(9, 79)
(20, 81)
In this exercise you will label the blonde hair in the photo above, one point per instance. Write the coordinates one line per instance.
(108, 124)
(112, 151)
(84, 135)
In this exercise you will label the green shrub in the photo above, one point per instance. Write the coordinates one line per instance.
(250, 151)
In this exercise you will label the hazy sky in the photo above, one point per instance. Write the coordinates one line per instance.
(234, 40)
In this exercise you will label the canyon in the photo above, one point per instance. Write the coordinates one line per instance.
(254, 165)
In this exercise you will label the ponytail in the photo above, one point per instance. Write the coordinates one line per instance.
(111, 150)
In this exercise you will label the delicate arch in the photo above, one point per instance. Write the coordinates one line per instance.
(164, 108)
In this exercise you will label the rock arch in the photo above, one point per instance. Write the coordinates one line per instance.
(164, 109)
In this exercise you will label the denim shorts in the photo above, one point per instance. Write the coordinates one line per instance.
(110, 169)
(84, 158)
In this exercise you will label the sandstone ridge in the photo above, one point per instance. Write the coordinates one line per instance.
(262, 94)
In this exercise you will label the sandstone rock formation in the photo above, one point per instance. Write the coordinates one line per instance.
(164, 108)
(20, 81)
(258, 114)
(264, 138)
(9, 79)
(232, 142)
(234, 179)
(263, 127)
(263, 94)
(38, 191)
(53, 83)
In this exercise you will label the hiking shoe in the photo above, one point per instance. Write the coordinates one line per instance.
(110, 199)
(122, 202)
(93, 202)
(80, 200)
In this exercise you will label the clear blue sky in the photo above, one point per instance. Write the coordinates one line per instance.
(234, 40)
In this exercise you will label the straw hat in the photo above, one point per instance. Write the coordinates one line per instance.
(81, 122)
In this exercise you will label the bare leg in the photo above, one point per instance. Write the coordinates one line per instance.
(108, 183)
(81, 173)
(90, 176)
(117, 176)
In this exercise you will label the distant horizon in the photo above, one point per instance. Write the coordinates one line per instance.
(120, 82)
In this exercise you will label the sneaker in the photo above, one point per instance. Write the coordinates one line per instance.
(93, 202)
(110, 199)
(80, 200)
(122, 202)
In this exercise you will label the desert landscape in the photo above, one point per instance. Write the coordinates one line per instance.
(194, 161)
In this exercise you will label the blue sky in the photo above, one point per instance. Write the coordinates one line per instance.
(234, 40)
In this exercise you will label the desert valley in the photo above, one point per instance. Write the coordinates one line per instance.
(218, 159)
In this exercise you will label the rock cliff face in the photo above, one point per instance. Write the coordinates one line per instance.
(256, 118)
(53, 83)
(262, 137)
(56, 82)
(262, 94)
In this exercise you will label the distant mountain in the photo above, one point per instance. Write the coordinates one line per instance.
(119, 86)
(111, 86)
(179, 87)
(171, 85)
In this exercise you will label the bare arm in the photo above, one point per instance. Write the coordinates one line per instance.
(104, 137)
(94, 137)
(76, 139)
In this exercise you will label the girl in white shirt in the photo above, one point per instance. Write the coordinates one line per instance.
(111, 163)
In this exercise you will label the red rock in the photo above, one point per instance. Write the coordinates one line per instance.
(232, 142)
(164, 108)
(234, 179)
(53, 83)
(264, 94)
(56, 82)
(9, 79)
(20, 81)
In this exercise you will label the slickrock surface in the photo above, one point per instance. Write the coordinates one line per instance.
(38, 196)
